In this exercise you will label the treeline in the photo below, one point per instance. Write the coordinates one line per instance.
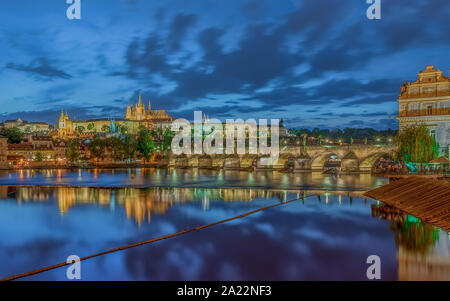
(345, 134)
(121, 148)
(14, 134)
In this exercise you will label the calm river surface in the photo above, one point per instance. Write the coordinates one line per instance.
(47, 215)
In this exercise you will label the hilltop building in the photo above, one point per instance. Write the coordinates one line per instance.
(427, 101)
(25, 126)
(138, 112)
(135, 117)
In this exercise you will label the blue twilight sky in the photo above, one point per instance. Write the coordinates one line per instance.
(314, 63)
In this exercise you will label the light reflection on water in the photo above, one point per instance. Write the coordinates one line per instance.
(323, 237)
(151, 177)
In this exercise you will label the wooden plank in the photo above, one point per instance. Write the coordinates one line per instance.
(425, 198)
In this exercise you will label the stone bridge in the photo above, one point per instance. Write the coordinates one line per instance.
(354, 158)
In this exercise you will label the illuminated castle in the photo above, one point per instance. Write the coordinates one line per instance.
(138, 112)
(135, 118)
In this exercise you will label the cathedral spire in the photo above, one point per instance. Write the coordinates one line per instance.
(149, 106)
(140, 100)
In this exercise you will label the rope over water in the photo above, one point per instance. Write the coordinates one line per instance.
(48, 268)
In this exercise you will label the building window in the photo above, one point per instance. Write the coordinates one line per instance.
(445, 104)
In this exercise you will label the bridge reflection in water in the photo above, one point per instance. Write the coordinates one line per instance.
(141, 203)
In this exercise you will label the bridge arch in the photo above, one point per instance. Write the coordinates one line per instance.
(248, 160)
(318, 163)
(368, 162)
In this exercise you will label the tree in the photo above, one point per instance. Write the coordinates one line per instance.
(14, 134)
(97, 148)
(167, 140)
(106, 128)
(415, 144)
(91, 127)
(130, 147)
(145, 144)
(117, 148)
(38, 157)
(73, 150)
(122, 129)
(81, 129)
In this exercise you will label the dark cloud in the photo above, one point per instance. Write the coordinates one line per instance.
(41, 68)
(75, 113)
(256, 54)
(179, 28)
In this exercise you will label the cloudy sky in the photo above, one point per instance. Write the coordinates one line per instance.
(313, 63)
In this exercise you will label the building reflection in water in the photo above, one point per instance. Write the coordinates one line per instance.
(145, 177)
(139, 203)
(423, 250)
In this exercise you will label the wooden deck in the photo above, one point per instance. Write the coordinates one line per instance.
(423, 198)
(400, 176)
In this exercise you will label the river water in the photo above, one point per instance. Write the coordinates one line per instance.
(327, 234)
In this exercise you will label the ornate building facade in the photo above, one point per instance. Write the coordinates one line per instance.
(138, 112)
(65, 126)
(427, 101)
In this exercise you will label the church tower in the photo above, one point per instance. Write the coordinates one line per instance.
(65, 126)
(140, 110)
(128, 113)
(62, 120)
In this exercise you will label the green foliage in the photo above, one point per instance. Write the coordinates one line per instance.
(117, 148)
(38, 157)
(91, 127)
(145, 144)
(14, 134)
(167, 140)
(130, 147)
(106, 128)
(73, 150)
(122, 129)
(346, 135)
(81, 129)
(97, 148)
(415, 144)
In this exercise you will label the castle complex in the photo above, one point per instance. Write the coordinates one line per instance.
(138, 112)
(136, 116)
(427, 101)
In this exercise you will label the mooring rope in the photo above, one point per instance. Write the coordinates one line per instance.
(48, 268)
